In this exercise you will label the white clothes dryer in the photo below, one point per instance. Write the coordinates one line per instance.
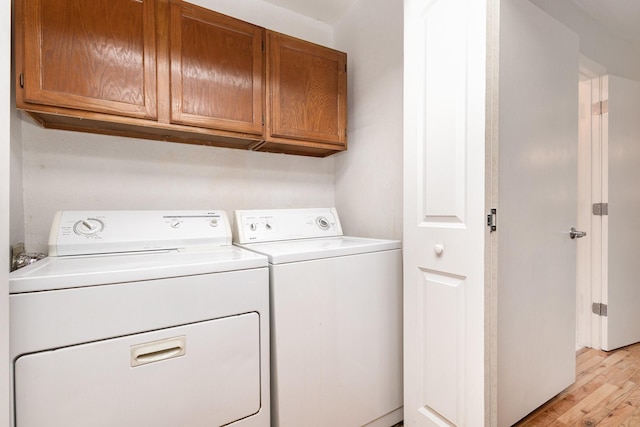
(145, 318)
(336, 319)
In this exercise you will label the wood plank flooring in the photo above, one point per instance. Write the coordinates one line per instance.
(606, 393)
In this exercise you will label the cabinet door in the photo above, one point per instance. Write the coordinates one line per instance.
(217, 70)
(307, 91)
(96, 55)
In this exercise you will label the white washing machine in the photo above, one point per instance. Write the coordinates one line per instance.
(336, 319)
(141, 318)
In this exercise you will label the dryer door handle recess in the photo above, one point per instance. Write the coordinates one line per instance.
(157, 351)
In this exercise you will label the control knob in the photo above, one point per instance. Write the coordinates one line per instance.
(88, 226)
(323, 223)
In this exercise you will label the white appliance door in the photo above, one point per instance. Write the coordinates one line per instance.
(621, 293)
(201, 374)
(336, 340)
(538, 140)
(444, 212)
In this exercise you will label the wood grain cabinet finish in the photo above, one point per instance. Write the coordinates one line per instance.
(173, 71)
(307, 95)
(96, 55)
(217, 65)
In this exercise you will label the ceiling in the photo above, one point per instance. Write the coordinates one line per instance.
(622, 17)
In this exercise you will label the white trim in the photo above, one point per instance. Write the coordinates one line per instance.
(598, 177)
(590, 262)
(584, 217)
(591, 69)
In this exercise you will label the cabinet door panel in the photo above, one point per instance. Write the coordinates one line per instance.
(307, 89)
(96, 55)
(216, 70)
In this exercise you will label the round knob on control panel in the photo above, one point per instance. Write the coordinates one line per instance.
(88, 226)
(176, 223)
(213, 222)
(253, 226)
(323, 223)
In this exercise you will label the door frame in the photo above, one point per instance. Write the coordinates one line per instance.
(590, 267)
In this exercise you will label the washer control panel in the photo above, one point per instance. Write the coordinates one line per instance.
(271, 225)
(97, 232)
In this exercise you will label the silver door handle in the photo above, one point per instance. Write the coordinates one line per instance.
(575, 234)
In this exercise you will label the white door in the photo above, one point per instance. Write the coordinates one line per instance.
(538, 140)
(444, 212)
(621, 228)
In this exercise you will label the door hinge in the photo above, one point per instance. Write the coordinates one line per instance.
(22, 80)
(601, 209)
(600, 108)
(492, 220)
(599, 309)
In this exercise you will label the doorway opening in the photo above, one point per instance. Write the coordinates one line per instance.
(589, 260)
(609, 205)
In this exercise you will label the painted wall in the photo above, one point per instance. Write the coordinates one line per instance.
(15, 168)
(74, 171)
(274, 18)
(596, 42)
(5, 136)
(369, 174)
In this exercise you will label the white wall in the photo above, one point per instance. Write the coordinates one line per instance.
(596, 42)
(74, 171)
(16, 226)
(369, 173)
(274, 18)
(5, 136)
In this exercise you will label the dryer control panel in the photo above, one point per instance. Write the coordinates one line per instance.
(271, 225)
(102, 232)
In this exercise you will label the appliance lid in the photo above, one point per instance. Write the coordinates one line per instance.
(53, 273)
(101, 232)
(311, 249)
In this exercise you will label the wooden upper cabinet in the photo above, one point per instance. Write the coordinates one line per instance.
(174, 71)
(307, 91)
(96, 55)
(217, 68)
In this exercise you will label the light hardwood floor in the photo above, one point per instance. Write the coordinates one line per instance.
(606, 393)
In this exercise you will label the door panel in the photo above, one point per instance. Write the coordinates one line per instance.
(444, 233)
(98, 55)
(442, 301)
(307, 90)
(216, 70)
(538, 134)
(621, 243)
